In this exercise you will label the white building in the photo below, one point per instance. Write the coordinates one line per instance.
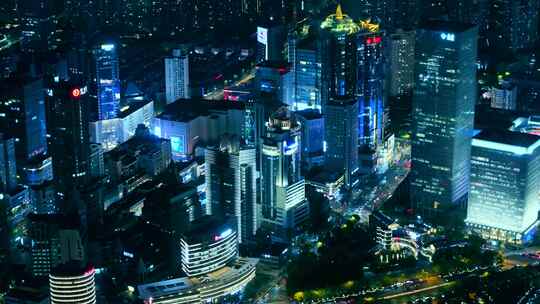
(209, 246)
(71, 284)
(112, 132)
(231, 183)
(176, 77)
(504, 197)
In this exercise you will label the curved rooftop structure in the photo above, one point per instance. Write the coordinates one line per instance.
(340, 23)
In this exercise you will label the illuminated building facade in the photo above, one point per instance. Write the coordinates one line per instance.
(227, 281)
(204, 124)
(68, 108)
(270, 41)
(176, 76)
(443, 114)
(401, 57)
(69, 283)
(370, 85)
(339, 54)
(22, 116)
(529, 125)
(283, 200)
(306, 66)
(341, 136)
(503, 97)
(231, 186)
(209, 245)
(108, 80)
(312, 124)
(112, 132)
(505, 182)
(8, 165)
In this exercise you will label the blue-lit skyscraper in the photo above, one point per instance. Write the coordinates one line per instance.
(443, 115)
(505, 184)
(338, 50)
(22, 116)
(312, 124)
(370, 86)
(306, 66)
(108, 80)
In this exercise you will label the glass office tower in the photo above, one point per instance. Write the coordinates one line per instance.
(443, 115)
(283, 200)
(108, 81)
(231, 186)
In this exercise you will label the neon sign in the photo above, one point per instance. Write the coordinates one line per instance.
(448, 37)
(373, 40)
(76, 93)
(107, 47)
(223, 235)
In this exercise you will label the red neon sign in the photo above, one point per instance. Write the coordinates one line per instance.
(76, 93)
(374, 40)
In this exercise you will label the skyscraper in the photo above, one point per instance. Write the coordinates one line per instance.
(505, 181)
(305, 60)
(23, 116)
(341, 136)
(312, 123)
(282, 189)
(513, 24)
(8, 167)
(176, 76)
(68, 127)
(270, 41)
(372, 114)
(231, 186)
(401, 57)
(443, 114)
(338, 49)
(108, 80)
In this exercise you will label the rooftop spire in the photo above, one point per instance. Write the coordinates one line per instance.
(339, 12)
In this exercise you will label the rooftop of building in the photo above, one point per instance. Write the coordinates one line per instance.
(177, 286)
(447, 26)
(274, 64)
(73, 268)
(207, 228)
(25, 294)
(185, 110)
(510, 138)
(309, 114)
(340, 23)
(132, 107)
(60, 220)
(530, 125)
